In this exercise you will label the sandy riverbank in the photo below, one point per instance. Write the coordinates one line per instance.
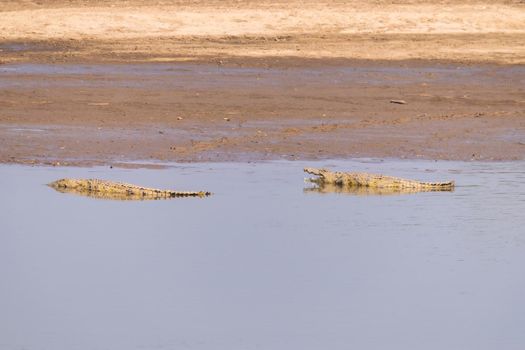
(467, 31)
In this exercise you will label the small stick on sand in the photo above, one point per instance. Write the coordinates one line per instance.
(399, 102)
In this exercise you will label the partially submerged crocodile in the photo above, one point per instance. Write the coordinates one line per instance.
(380, 183)
(117, 190)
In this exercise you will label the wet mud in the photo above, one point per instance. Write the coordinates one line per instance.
(116, 113)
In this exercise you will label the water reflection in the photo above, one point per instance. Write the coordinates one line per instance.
(109, 196)
(366, 191)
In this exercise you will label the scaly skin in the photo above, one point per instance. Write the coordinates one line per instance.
(116, 190)
(374, 181)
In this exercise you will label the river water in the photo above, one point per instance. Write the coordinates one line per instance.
(264, 263)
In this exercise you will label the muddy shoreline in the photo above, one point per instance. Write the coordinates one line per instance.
(93, 114)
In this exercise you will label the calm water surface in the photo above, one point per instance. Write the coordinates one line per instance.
(182, 75)
(264, 264)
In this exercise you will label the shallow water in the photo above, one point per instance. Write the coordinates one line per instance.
(182, 75)
(264, 263)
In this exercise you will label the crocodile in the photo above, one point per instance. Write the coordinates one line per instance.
(373, 183)
(116, 190)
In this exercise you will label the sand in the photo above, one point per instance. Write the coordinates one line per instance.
(473, 31)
